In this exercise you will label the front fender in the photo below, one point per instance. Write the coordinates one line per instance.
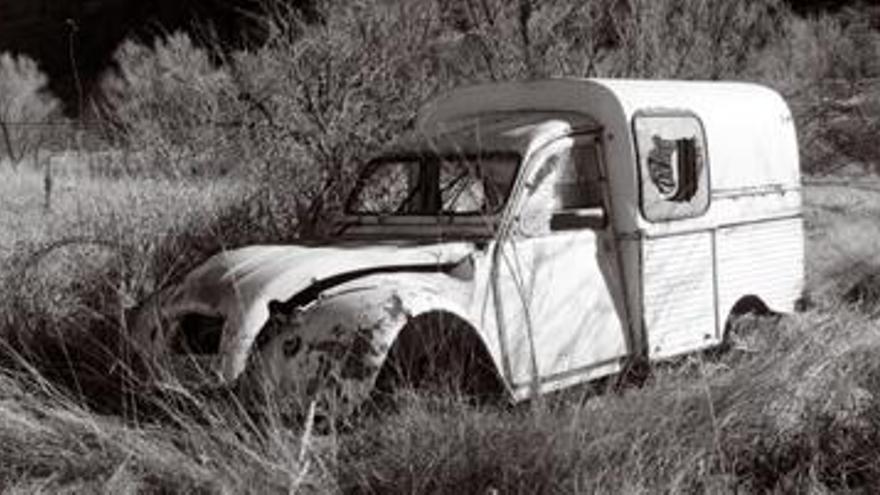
(336, 346)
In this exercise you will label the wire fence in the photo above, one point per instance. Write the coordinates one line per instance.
(105, 148)
(20, 137)
(82, 135)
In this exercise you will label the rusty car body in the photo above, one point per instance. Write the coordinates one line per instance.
(567, 227)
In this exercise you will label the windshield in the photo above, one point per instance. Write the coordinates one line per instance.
(430, 184)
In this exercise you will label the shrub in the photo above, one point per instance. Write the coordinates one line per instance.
(176, 108)
(24, 105)
(825, 66)
(316, 100)
(326, 100)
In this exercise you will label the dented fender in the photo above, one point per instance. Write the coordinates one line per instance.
(339, 342)
(238, 287)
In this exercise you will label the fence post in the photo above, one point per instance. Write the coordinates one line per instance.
(7, 140)
(47, 184)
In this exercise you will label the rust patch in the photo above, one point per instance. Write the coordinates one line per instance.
(357, 365)
(358, 369)
(353, 356)
(320, 378)
(291, 347)
(333, 348)
(395, 307)
(277, 324)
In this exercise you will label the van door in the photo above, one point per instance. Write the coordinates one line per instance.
(557, 277)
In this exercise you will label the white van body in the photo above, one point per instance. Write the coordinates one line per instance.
(639, 216)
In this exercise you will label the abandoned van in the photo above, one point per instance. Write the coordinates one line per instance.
(532, 235)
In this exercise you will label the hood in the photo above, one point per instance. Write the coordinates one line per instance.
(280, 272)
(238, 285)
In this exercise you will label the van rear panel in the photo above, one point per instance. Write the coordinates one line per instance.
(763, 259)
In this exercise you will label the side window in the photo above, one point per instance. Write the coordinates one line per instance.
(568, 180)
(579, 184)
(673, 166)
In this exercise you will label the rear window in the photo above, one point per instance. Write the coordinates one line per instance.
(673, 166)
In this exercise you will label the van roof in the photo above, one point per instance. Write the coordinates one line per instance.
(499, 131)
(750, 132)
(626, 96)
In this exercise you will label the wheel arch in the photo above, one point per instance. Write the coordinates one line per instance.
(749, 303)
(445, 324)
(745, 304)
(356, 326)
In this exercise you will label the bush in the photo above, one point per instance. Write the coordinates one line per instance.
(177, 110)
(316, 100)
(24, 106)
(825, 66)
(323, 102)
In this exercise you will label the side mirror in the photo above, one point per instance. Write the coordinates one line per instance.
(583, 218)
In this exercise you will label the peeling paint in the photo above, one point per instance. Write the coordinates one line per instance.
(332, 348)
(395, 307)
(357, 364)
(292, 347)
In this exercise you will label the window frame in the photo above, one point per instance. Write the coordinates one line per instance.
(707, 169)
(370, 167)
(532, 168)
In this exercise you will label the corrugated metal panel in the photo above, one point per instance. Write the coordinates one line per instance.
(765, 259)
(679, 293)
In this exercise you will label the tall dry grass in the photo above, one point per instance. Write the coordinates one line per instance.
(792, 412)
(75, 417)
(792, 408)
(53, 443)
